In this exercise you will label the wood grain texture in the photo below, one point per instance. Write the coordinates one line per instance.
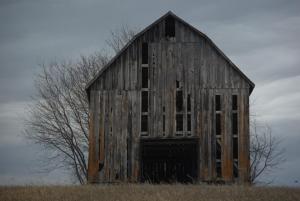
(115, 105)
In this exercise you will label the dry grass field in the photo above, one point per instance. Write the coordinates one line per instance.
(149, 192)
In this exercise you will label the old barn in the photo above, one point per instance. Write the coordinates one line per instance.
(170, 106)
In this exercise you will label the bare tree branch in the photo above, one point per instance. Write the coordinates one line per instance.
(120, 37)
(265, 151)
(59, 114)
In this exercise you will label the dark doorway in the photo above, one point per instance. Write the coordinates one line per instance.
(169, 160)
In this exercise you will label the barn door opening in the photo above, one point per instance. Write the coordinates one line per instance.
(168, 161)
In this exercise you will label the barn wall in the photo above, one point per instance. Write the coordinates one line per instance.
(115, 105)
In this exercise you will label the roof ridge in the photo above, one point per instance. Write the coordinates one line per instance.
(252, 85)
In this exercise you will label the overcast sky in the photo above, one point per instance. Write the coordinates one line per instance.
(261, 37)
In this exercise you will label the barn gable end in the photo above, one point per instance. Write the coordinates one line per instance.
(170, 89)
(155, 33)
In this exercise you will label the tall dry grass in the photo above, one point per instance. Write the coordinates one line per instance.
(134, 192)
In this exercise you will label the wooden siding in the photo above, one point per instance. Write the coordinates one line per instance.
(115, 105)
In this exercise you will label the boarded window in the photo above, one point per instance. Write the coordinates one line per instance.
(189, 103)
(218, 124)
(170, 27)
(234, 102)
(179, 101)
(179, 122)
(234, 123)
(235, 148)
(144, 123)
(145, 53)
(144, 101)
(189, 122)
(144, 77)
(218, 103)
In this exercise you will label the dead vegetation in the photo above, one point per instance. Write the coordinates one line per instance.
(149, 192)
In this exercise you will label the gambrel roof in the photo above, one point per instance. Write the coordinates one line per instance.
(170, 14)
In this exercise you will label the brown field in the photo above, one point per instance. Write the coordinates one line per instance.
(148, 192)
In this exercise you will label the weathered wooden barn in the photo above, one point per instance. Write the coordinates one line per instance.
(170, 106)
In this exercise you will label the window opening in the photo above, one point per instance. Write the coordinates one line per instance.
(144, 101)
(234, 123)
(179, 101)
(189, 103)
(235, 148)
(145, 77)
(234, 102)
(145, 53)
(235, 169)
(218, 149)
(235, 139)
(177, 84)
(218, 132)
(218, 103)
(144, 123)
(189, 122)
(170, 27)
(179, 122)
(218, 124)
(164, 123)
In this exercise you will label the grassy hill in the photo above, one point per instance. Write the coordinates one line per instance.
(149, 192)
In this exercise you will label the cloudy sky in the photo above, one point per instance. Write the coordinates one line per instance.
(260, 36)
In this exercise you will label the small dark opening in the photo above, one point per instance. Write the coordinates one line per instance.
(235, 148)
(164, 109)
(234, 102)
(189, 103)
(218, 124)
(170, 27)
(144, 123)
(144, 77)
(234, 124)
(218, 103)
(218, 149)
(177, 84)
(219, 169)
(179, 101)
(179, 122)
(144, 101)
(189, 122)
(101, 165)
(145, 53)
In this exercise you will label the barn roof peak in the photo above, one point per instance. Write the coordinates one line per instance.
(169, 13)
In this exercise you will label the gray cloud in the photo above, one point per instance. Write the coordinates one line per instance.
(260, 36)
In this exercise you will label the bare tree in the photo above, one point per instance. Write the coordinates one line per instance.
(120, 37)
(265, 151)
(58, 116)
